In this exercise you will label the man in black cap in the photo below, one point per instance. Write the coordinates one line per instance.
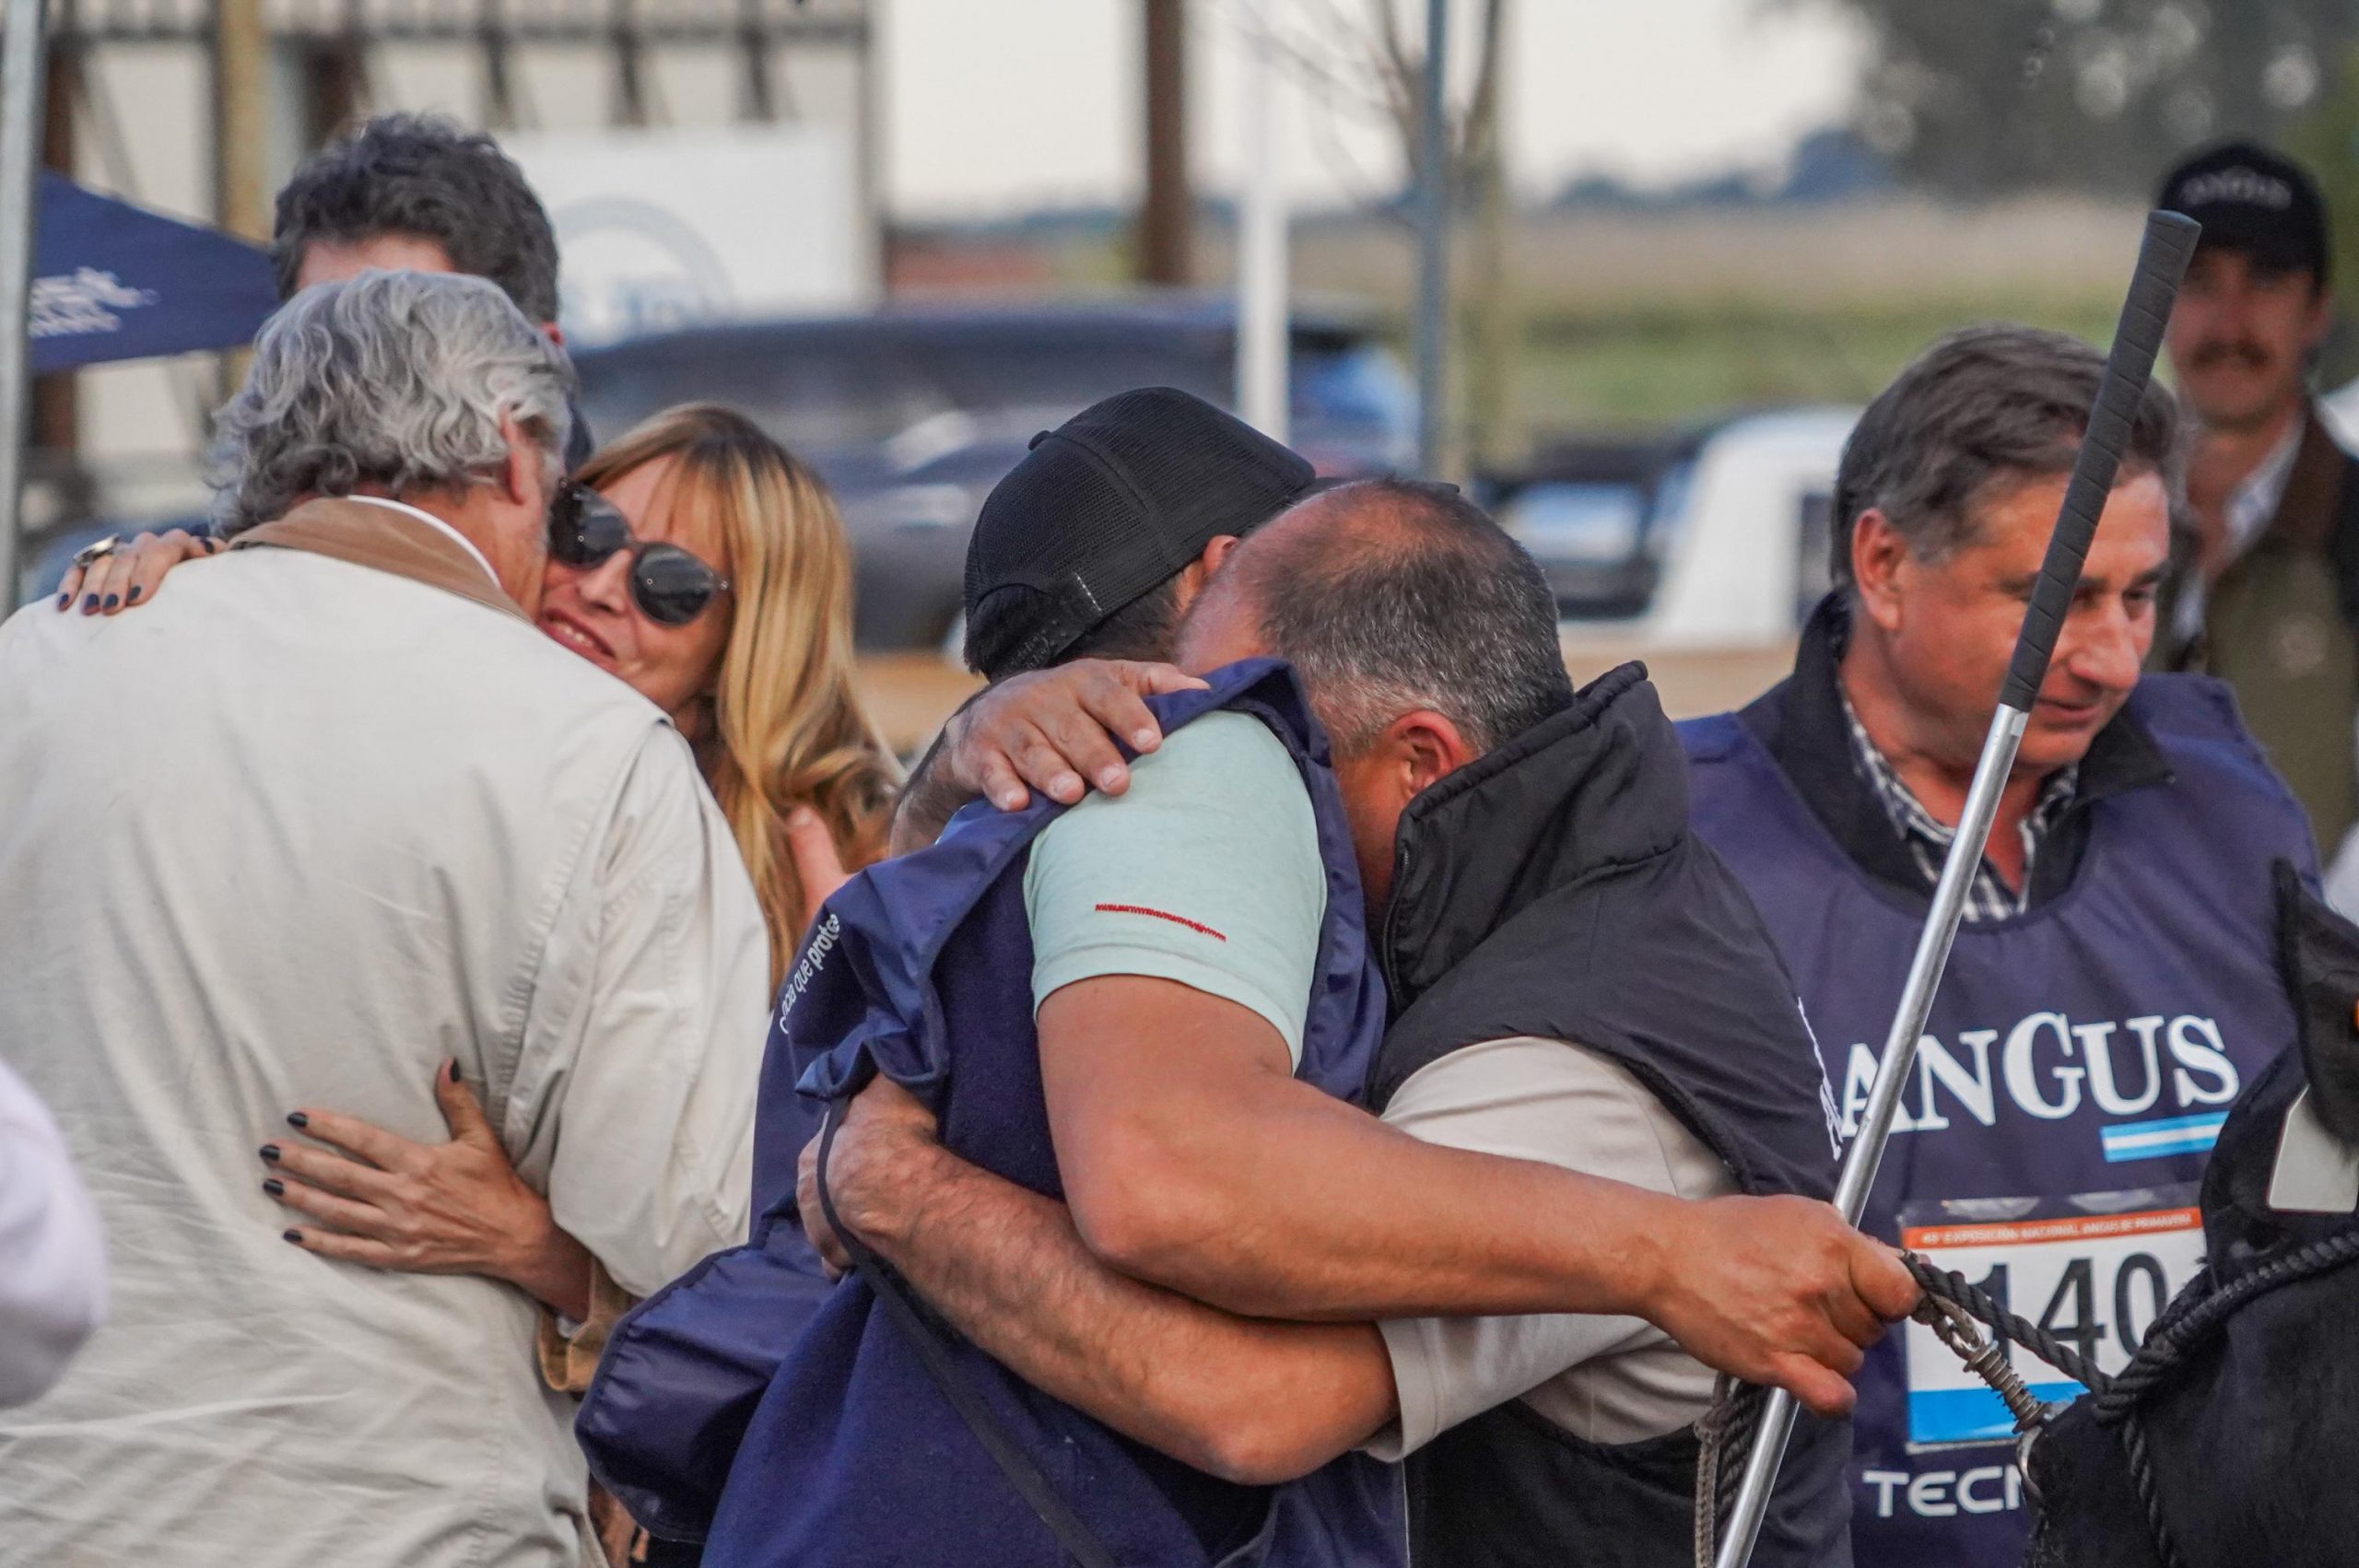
(2267, 595)
(1095, 544)
(1092, 548)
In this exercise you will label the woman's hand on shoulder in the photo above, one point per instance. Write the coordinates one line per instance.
(131, 573)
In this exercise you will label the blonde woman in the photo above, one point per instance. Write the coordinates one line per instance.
(698, 560)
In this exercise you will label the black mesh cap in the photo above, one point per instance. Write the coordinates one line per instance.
(1113, 502)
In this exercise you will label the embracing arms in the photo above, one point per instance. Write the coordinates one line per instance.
(1251, 1401)
(1192, 1158)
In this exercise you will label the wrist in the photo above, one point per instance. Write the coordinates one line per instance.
(886, 1198)
(1659, 1234)
(547, 1263)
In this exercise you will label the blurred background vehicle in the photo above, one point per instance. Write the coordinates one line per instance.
(1699, 550)
(820, 208)
(911, 413)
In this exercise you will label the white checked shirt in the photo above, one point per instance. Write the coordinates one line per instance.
(1988, 898)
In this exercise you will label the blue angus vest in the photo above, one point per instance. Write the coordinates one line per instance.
(836, 1447)
(2078, 1063)
(1552, 889)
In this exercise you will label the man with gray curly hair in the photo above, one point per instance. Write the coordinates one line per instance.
(349, 816)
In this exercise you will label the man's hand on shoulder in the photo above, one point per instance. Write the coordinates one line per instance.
(1778, 1291)
(1050, 729)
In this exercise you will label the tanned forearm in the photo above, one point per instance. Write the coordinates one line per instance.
(1236, 1184)
(1318, 1211)
(1251, 1400)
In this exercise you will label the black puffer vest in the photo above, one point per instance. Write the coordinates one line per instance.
(1552, 889)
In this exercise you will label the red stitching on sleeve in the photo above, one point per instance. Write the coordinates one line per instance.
(1197, 926)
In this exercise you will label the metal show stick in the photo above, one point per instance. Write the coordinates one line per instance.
(2162, 259)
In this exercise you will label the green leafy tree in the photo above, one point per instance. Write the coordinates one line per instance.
(1979, 98)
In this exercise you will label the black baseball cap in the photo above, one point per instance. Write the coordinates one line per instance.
(1115, 502)
(2250, 198)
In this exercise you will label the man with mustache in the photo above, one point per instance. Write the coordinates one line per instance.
(2266, 590)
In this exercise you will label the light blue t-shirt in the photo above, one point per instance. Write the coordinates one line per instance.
(1205, 872)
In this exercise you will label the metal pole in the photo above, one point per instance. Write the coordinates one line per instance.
(2170, 241)
(23, 74)
(240, 86)
(1166, 246)
(1433, 237)
(1991, 774)
(1262, 335)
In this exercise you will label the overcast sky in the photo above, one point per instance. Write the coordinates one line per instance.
(1001, 105)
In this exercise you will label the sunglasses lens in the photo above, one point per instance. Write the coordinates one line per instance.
(585, 528)
(671, 585)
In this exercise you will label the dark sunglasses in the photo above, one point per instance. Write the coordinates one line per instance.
(669, 585)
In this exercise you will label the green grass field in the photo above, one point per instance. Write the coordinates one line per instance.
(1655, 364)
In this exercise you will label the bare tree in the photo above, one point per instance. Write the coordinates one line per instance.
(1367, 62)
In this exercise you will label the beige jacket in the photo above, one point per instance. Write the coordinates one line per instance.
(319, 816)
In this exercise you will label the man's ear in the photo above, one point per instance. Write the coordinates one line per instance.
(1426, 747)
(523, 477)
(1878, 552)
(1197, 575)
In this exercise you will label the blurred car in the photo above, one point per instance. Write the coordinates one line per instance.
(913, 413)
(1713, 535)
(1699, 551)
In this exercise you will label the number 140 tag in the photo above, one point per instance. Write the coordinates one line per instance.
(2095, 1281)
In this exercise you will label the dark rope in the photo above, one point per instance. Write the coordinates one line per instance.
(1744, 1422)
(2202, 1309)
(2150, 1495)
(2193, 1315)
(1939, 1282)
(1725, 1433)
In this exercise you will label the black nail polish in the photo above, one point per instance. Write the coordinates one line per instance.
(63, 600)
(132, 597)
(90, 604)
(270, 1152)
(296, 1119)
(454, 1070)
(112, 600)
(274, 1186)
(295, 1236)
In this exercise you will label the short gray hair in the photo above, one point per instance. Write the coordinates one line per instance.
(1410, 598)
(396, 379)
(1985, 406)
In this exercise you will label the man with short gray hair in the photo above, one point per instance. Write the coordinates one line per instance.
(333, 812)
(1600, 1129)
(2114, 983)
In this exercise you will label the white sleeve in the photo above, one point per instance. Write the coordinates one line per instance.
(642, 1067)
(1560, 1104)
(53, 1254)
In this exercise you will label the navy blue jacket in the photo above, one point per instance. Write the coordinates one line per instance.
(838, 1449)
(2077, 1065)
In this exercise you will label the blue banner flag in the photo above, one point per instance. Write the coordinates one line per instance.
(112, 281)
